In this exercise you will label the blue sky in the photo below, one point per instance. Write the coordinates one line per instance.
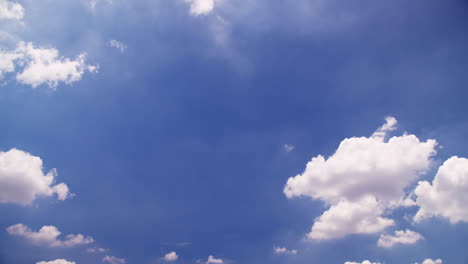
(191, 133)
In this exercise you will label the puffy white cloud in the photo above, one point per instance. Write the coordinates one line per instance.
(343, 218)
(431, 261)
(213, 260)
(48, 236)
(288, 147)
(364, 262)
(172, 256)
(46, 66)
(22, 179)
(447, 196)
(43, 66)
(113, 260)
(400, 237)
(118, 45)
(57, 261)
(11, 10)
(200, 7)
(284, 251)
(364, 178)
(7, 62)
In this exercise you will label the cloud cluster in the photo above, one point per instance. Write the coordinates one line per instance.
(400, 237)
(43, 66)
(172, 256)
(48, 236)
(201, 7)
(57, 261)
(11, 10)
(284, 251)
(447, 196)
(113, 260)
(22, 179)
(364, 178)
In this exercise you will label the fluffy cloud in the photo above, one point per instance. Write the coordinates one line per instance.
(447, 196)
(113, 260)
(48, 236)
(213, 260)
(172, 256)
(118, 45)
(200, 7)
(22, 179)
(430, 261)
(364, 262)
(284, 251)
(57, 261)
(43, 66)
(360, 217)
(364, 178)
(400, 237)
(11, 10)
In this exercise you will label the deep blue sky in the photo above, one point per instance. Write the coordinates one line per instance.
(180, 138)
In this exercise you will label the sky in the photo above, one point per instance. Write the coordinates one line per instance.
(224, 132)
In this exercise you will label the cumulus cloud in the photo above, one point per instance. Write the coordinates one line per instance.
(43, 66)
(48, 236)
(364, 262)
(200, 7)
(113, 260)
(343, 218)
(22, 179)
(11, 10)
(172, 256)
(401, 237)
(447, 196)
(57, 261)
(364, 178)
(118, 45)
(213, 260)
(284, 251)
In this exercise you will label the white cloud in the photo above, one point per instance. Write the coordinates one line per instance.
(48, 236)
(118, 45)
(447, 196)
(431, 261)
(172, 256)
(11, 10)
(284, 251)
(7, 61)
(213, 260)
(57, 261)
(288, 147)
(343, 218)
(400, 237)
(200, 7)
(364, 262)
(364, 178)
(22, 179)
(113, 260)
(96, 250)
(45, 66)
